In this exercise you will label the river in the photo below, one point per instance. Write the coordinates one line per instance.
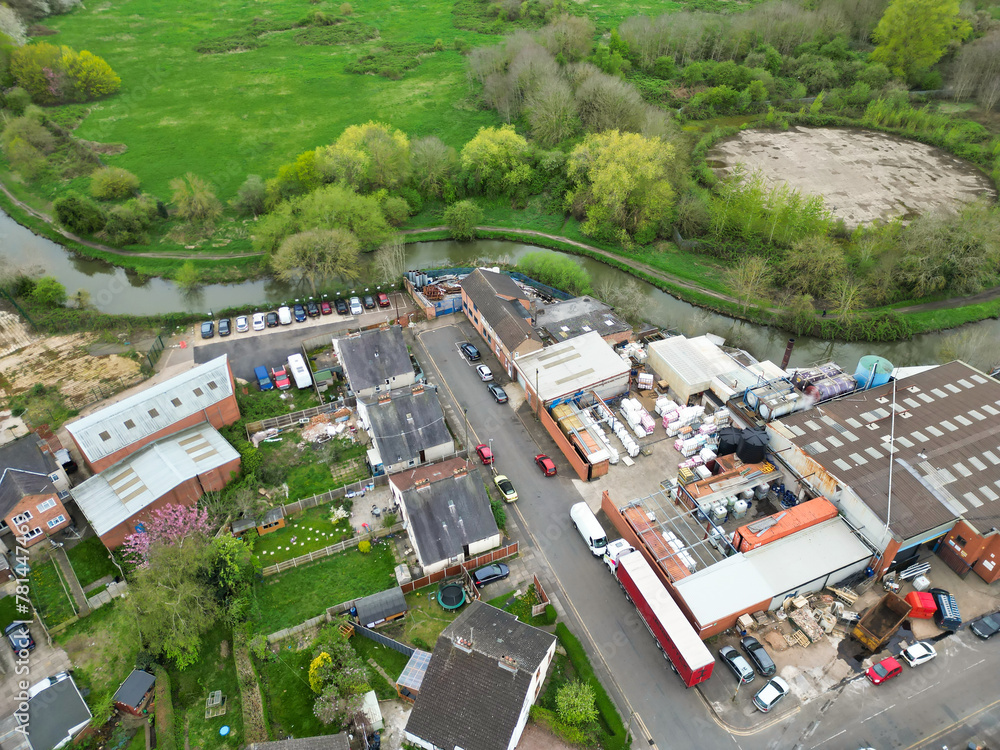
(113, 290)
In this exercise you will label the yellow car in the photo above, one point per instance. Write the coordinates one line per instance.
(506, 487)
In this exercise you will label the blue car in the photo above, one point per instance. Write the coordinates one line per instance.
(300, 313)
(263, 379)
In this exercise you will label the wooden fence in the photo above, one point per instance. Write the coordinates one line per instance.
(327, 551)
(498, 554)
(294, 418)
(543, 599)
(357, 489)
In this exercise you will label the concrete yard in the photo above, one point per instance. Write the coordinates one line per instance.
(862, 175)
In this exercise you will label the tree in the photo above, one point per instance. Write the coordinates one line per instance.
(250, 198)
(800, 315)
(608, 103)
(491, 155)
(389, 261)
(81, 300)
(462, 219)
(627, 299)
(49, 292)
(12, 27)
(562, 272)
(338, 672)
(126, 225)
(195, 200)
(749, 279)
(188, 276)
(317, 254)
(113, 183)
(977, 70)
(172, 525)
(571, 37)
(79, 214)
(575, 703)
(317, 671)
(434, 164)
(91, 75)
(552, 112)
(813, 265)
(914, 34)
(232, 570)
(53, 75)
(847, 296)
(368, 157)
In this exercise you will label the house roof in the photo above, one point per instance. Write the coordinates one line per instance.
(124, 489)
(134, 418)
(574, 317)
(404, 480)
(447, 513)
(492, 292)
(16, 484)
(136, 685)
(373, 357)
(946, 454)
(381, 605)
(56, 712)
(407, 423)
(24, 470)
(571, 366)
(468, 697)
(323, 742)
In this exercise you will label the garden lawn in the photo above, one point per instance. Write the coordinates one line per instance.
(8, 612)
(288, 699)
(299, 594)
(103, 647)
(424, 621)
(312, 530)
(191, 687)
(91, 561)
(48, 595)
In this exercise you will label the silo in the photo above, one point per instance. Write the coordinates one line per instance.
(873, 371)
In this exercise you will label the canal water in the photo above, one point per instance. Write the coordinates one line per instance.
(114, 290)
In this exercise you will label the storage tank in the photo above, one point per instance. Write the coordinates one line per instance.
(761, 490)
(719, 513)
(780, 406)
(873, 371)
(828, 388)
(729, 440)
(704, 509)
(753, 445)
(802, 378)
(739, 509)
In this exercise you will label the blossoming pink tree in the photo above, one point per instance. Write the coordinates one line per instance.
(171, 525)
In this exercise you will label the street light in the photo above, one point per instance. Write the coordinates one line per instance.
(465, 411)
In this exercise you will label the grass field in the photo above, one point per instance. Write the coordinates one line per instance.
(48, 595)
(191, 686)
(284, 682)
(90, 561)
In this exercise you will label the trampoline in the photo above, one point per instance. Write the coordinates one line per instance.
(451, 595)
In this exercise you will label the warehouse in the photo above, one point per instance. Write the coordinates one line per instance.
(569, 369)
(689, 365)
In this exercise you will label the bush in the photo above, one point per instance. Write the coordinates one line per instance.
(364, 546)
(55, 75)
(29, 129)
(49, 292)
(462, 219)
(79, 214)
(250, 198)
(581, 665)
(561, 272)
(499, 514)
(396, 210)
(575, 703)
(113, 183)
(126, 225)
(17, 100)
(166, 731)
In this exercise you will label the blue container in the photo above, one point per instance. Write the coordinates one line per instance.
(873, 371)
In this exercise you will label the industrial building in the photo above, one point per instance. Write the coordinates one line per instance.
(570, 318)
(500, 311)
(688, 366)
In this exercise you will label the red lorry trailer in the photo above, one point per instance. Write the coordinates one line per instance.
(673, 633)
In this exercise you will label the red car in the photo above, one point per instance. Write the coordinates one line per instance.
(281, 380)
(383, 299)
(546, 464)
(325, 307)
(884, 670)
(485, 454)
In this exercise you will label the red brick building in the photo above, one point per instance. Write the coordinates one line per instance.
(966, 548)
(500, 311)
(32, 488)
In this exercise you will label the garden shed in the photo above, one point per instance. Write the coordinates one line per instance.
(135, 692)
(381, 608)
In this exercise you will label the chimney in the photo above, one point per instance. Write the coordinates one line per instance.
(788, 353)
(509, 663)
(463, 644)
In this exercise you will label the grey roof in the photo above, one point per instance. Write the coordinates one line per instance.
(24, 454)
(448, 513)
(323, 742)
(136, 685)
(124, 489)
(16, 484)
(510, 325)
(56, 713)
(574, 317)
(243, 524)
(950, 414)
(134, 418)
(372, 357)
(467, 699)
(381, 605)
(572, 366)
(273, 515)
(406, 424)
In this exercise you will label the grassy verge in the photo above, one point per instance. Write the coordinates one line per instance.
(8, 612)
(91, 561)
(48, 594)
(521, 606)
(166, 723)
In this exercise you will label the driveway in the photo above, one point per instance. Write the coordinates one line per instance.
(43, 662)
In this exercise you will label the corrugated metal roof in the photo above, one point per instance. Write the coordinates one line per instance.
(695, 361)
(102, 433)
(122, 490)
(571, 366)
(938, 436)
(506, 317)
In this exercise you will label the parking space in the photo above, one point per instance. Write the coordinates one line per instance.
(43, 662)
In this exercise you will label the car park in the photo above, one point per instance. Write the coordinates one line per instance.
(259, 321)
(341, 304)
(484, 453)
(356, 308)
(471, 353)
(546, 464)
(208, 329)
(19, 637)
(758, 656)
(883, 671)
(489, 574)
(225, 326)
(242, 324)
(773, 691)
(506, 488)
(485, 373)
(498, 393)
(281, 379)
(918, 653)
(369, 302)
(272, 320)
(383, 299)
(284, 315)
(300, 313)
(737, 664)
(986, 626)
(312, 309)
(325, 308)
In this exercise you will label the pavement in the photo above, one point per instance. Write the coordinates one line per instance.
(43, 662)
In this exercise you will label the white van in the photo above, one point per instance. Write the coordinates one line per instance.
(299, 371)
(284, 316)
(586, 523)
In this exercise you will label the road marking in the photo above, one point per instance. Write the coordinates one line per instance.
(842, 731)
(951, 726)
(974, 665)
(879, 713)
(921, 691)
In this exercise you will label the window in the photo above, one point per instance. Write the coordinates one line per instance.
(130, 424)
(56, 521)
(175, 401)
(54, 477)
(199, 392)
(212, 385)
(50, 503)
(154, 413)
(33, 533)
(63, 494)
(959, 541)
(104, 436)
(23, 518)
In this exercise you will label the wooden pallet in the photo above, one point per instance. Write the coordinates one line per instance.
(846, 595)
(796, 638)
(346, 629)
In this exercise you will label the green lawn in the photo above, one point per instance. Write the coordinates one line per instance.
(91, 561)
(312, 530)
(103, 647)
(301, 593)
(48, 595)
(191, 687)
(8, 612)
(424, 620)
(288, 700)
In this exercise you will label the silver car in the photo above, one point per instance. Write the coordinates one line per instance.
(356, 307)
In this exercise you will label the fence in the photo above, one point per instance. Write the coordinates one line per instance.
(349, 490)
(498, 554)
(384, 640)
(155, 352)
(543, 599)
(327, 551)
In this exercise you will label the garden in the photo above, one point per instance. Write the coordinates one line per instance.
(305, 532)
(50, 594)
(91, 561)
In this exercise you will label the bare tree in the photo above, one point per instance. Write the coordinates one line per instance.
(847, 295)
(569, 36)
(977, 70)
(608, 103)
(749, 279)
(552, 112)
(389, 261)
(626, 299)
(433, 163)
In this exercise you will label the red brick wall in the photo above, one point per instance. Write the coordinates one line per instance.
(988, 565)
(40, 520)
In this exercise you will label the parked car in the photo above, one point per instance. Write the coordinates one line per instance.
(312, 309)
(883, 671)
(484, 453)
(341, 304)
(300, 313)
(259, 321)
(383, 299)
(498, 393)
(773, 691)
(207, 329)
(272, 319)
(737, 664)
(471, 353)
(485, 373)
(263, 380)
(20, 637)
(947, 615)
(369, 302)
(225, 326)
(506, 487)
(281, 379)
(986, 626)
(546, 464)
(758, 656)
(284, 315)
(325, 308)
(242, 324)
(356, 308)
(917, 654)
(490, 573)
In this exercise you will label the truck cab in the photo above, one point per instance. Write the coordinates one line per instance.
(614, 550)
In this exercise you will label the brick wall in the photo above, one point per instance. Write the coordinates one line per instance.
(39, 519)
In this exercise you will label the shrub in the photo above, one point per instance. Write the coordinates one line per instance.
(54, 75)
(561, 272)
(16, 100)
(25, 159)
(250, 198)
(575, 703)
(49, 292)
(29, 129)
(462, 219)
(125, 225)
(346, 9)
(113, 183)
(195, 200)
(581, 664)
(396, 210)
(79, 214)
(364, 546)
